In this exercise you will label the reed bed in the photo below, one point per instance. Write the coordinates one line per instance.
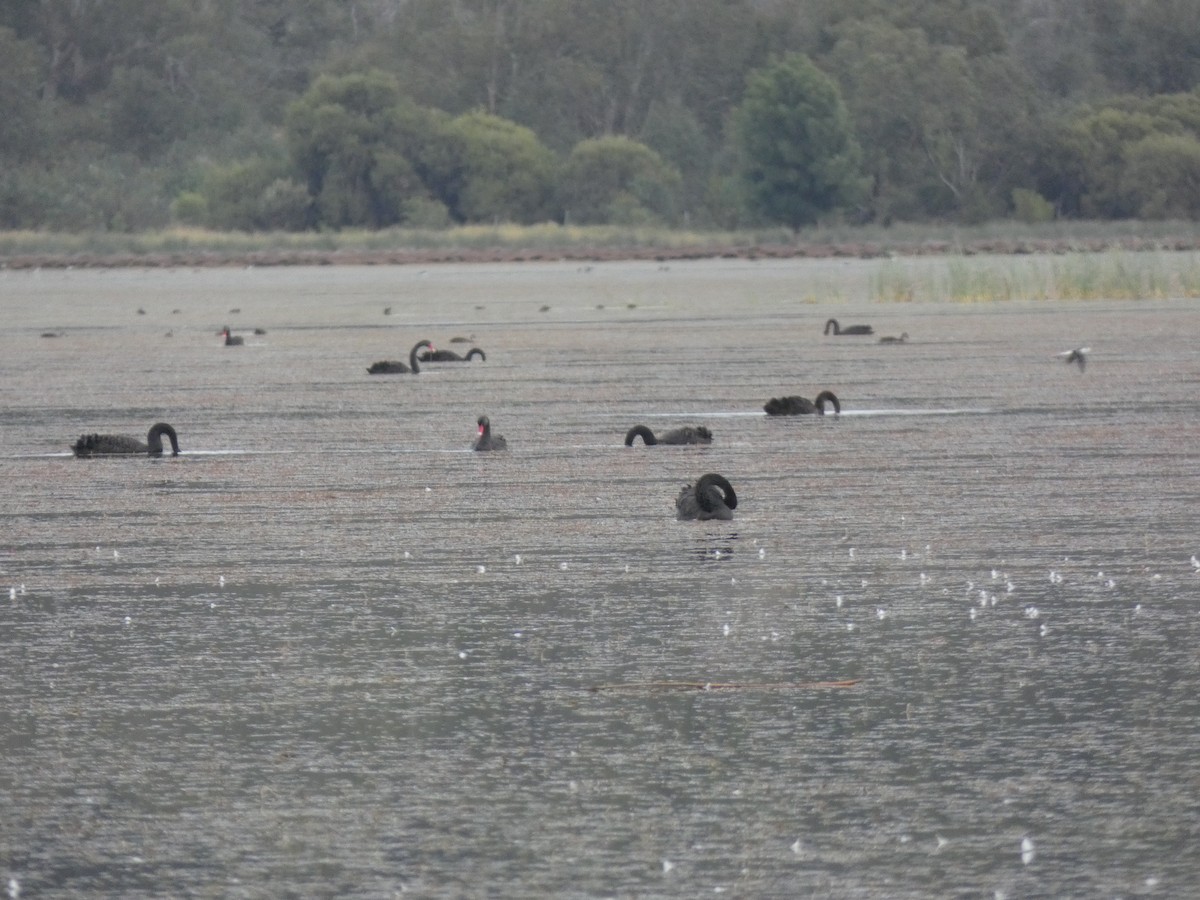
(1109, 275)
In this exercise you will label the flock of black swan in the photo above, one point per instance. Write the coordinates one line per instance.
(711, 497)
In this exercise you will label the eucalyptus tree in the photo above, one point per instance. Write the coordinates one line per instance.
(799, 159)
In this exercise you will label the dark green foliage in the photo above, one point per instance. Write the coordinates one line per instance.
(616, 179)
(124, 114)
(799, 159)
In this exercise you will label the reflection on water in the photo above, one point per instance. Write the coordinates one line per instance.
(328, 651)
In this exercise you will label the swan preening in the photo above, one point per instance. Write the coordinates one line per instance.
(1078, 355)
(711, 497)
(832, 325)
(232, 340)
(801, 406)
(395, 367)
(888, 339)
(432, 355)
(487, 440)
(688, 434)
(120, 445)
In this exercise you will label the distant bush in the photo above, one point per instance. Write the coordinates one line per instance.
(1031, 207)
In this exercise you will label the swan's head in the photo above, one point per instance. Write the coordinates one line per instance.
(483, 424)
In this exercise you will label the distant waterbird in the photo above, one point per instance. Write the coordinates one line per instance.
(801, 406)
(711, 497)
(1078, 355)
(487, 440)
(90, 445)
(832, 327)
(688, 434)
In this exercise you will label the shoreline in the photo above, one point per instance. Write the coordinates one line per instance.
(404, 256)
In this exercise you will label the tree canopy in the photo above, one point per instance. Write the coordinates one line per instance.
(127, 114)
(799, 160)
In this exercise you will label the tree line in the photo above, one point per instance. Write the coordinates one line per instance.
(309, 114)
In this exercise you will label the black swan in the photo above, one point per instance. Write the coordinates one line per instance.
(119, 445)
(1078, 355)
(487, 440)
(801, 406)
(688, 434)
(832, 325)
(432, 355)
(230, 339)
(711, 497)
(888, 339)
(394, 367)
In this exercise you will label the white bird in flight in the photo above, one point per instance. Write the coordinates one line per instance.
(1078, 355)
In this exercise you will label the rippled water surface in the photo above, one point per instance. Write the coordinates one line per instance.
(328, 651)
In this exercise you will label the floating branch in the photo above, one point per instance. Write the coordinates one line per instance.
(722, 685)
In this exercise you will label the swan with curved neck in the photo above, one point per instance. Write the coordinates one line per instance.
(395, 367)
(487, 440)
(801, 406)
(711, 497)
(432, 355)
(232, 340)
(688, 434)
(832, 325)
(120, 445)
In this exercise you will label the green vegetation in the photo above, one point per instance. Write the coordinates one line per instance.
(1113, 275)
(317, 115)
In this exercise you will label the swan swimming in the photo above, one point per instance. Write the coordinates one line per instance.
(119, 445)
(711, 497)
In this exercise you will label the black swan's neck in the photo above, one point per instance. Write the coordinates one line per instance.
(642, 431)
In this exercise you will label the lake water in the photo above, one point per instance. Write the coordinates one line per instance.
(330, 652)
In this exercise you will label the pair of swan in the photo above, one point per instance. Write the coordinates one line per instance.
(395, 367)
(801, 406)
(120, 445)
(688, 434)
(416, 357)
(838, 331)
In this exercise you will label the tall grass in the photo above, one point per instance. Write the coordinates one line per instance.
(1111, 275)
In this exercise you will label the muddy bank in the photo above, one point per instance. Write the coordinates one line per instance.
(401, 256)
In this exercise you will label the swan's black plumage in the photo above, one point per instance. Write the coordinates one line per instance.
(711, 497)
(487, 440)
(832, 325)
(395, 367)
(432, 355)
(120, 445)
(232, 340)
(688, 434)
(801, 406)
